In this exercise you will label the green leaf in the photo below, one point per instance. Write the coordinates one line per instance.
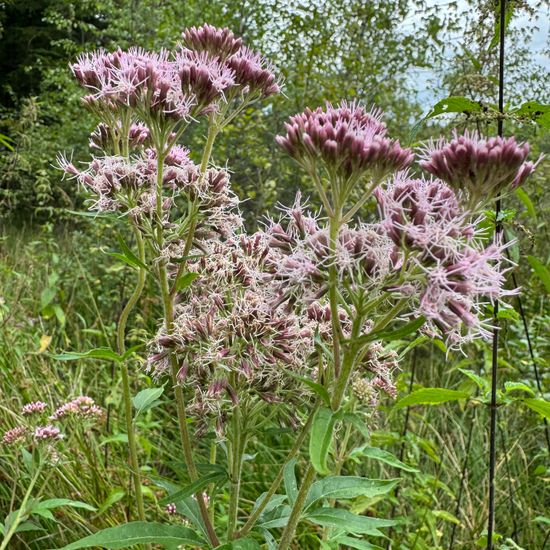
(539, 405)
(98, 353)
(454, 104)
(348, 522)
(400, 333)
(347, 487)
(481, 383)
(147, 399)
(53, 503)
(357, 422)
(321, 438)
(138, 532)
(350, 542)
(194, 488)
(541, 270)
(116, 494)
(291, 485)
(241, 544)
(430, 396)
(509, 12)
(524, 198)
(186, 281)
(446, 516)
(320, 390)
(375, 453)
(47, 296)
(129, 254)
(189, 508)
(518, 386)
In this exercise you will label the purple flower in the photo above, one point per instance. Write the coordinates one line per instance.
(478, 168)
(346, 139)
(252, 73)
(203, 77)
(82, 406)
(221, 43)
(44, 433)
(32, 408)
(15, 435)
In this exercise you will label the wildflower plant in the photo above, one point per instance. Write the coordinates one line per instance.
(293, 322)
(44, 439)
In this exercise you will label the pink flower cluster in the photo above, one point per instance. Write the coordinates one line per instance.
(450, 271)
(82, 407)
(478, 169)
(191, 81)
(346, 139)
(33, 408)
(231, 332)
(44, 433)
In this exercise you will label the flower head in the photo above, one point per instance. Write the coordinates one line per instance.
(347, 140)
(477, 168)
(32, 408)
(221, 43)
(203, 77)
(44, 433)
(15, 435)
(82, 407)
(252, 73)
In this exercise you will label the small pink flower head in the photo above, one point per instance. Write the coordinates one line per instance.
(347, 139)
(43, 433)
(171, 509)
(253, 74)
(82, 406)
(416, 213)
(478, 168)
(33, 408)
(102, 137)
(217, 42)
(203, 77)
(15, 435)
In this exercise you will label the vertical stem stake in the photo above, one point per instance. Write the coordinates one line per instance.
(494, 369)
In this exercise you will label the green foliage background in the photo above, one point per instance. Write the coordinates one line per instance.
(56, 282)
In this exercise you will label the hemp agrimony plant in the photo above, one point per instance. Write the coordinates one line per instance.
(290, 324)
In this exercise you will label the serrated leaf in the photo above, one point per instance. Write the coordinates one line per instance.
(539, 405)
(454, 104)
(348, 522)
(430, 396)
(481, 383)
(321, 438)
(541, 270)
(138, 532)
(375, 453)
(98, 353)
(350, 542)
(146, 399)
(348, 487)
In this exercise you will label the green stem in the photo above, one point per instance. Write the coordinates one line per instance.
(168, 304)
(128, 413)
(20, 513)
(294, 518)
(237, 452)
(278, 480)
(333, 289)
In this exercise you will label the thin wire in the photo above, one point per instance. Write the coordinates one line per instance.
(494, 369)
